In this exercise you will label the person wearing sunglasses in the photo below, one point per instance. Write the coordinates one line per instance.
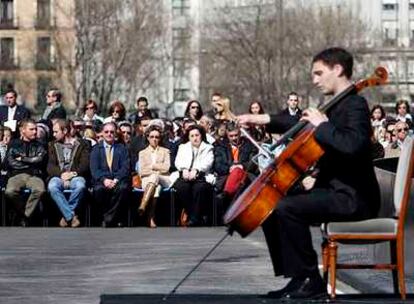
(90, 111)
(116, 112)
(154, 166)
(401, 131)
(193, 110)
(110, 169)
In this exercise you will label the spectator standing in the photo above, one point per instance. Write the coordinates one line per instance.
(142, 110)
(394, 149)
(90, 111)
(109, 166)
(193, 110)
(116, 112)
(378, 121)
(402, 109)
(12, 113)
(26, 160)
(54, 108)
(258, 132)
(223, 110)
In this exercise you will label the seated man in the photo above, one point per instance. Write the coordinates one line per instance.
(67, 167)
(110, 169)
(26, 159)
(235, 152)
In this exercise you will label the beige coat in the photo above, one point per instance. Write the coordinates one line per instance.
(161, 165)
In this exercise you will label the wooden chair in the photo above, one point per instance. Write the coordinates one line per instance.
(375, 230)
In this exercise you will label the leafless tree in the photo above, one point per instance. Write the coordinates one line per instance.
(264, 51)
(118, 49)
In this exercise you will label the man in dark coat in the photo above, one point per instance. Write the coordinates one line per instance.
(110, 169)
(12, 113)
(346, 188)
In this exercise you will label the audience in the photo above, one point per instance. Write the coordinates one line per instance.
(198, 154)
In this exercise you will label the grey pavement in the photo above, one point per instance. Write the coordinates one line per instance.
(54, 265)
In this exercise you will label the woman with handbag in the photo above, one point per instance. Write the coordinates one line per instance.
(193, 179)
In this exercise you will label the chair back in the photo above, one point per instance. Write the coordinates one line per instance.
(402, 185)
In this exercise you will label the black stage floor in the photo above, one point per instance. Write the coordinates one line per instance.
(242, 299)
(127, 265)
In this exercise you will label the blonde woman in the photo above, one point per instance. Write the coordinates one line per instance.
(222, 108)
(154, 166)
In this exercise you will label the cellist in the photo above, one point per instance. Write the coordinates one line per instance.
(346, 188)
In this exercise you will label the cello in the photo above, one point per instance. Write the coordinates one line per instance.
(301, 154)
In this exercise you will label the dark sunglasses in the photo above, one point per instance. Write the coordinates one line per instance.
(403, 129)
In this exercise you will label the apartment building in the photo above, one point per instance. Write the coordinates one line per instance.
(36, 49)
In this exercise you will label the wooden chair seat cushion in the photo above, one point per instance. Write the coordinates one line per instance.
(377, 226)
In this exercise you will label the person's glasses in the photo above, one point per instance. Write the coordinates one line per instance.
(109, 132)
(116, 111)
(154, 137)
(402, 129)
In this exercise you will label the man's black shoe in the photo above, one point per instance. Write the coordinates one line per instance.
(293, 285)
(311, 288)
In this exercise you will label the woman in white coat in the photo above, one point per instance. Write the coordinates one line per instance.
(193, 183)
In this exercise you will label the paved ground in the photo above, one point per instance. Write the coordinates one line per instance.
(53, 265)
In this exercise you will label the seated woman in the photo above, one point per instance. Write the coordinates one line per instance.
(154, 166)
(194, 162)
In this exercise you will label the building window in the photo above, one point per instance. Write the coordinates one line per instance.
(6, 13)
(411, 6)
(43, 58)
(181, 40)
(181, 94)
(43, 14)
(181, 66)
(389, 7)
(7, 53)
(180, 7)
(390, 33)
(43, 86)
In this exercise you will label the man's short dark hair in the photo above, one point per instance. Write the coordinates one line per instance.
(336, 55)
(26, 121)
(12, 91)
(57, 93)
(292, 93)
(232, 126)
(142, 98)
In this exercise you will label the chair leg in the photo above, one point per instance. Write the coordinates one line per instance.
(400, 267)
(333, 248)
(393, 255)
(325, 260)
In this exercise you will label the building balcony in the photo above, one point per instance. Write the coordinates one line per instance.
(7, 24)
(8, 65)
(44, 65)
(43, 24)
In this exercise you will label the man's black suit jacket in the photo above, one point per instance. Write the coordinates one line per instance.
(21, 113)
(346, 167)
